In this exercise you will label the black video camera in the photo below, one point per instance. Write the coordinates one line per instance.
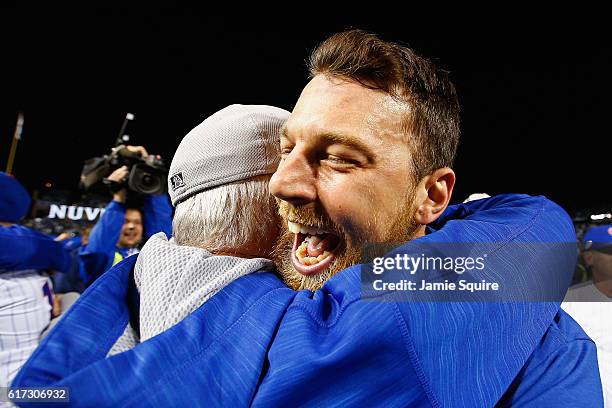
(147, 175)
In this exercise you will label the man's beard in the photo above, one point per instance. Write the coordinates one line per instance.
(401, 229)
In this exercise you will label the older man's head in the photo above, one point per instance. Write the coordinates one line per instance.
(366, 155)
(218, 182)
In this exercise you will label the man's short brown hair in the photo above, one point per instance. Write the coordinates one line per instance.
(433, 125)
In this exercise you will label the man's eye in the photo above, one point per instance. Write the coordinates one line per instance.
(338, 160)
(285, 151)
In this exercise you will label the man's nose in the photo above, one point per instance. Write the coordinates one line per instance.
(294, 180)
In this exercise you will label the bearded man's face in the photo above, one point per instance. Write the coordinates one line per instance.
(345, 179)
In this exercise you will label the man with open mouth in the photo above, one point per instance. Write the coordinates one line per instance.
(366, 157)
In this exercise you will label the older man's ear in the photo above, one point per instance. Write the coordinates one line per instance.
(433, 195)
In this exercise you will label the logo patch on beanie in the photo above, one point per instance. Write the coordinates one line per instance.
(177, 181)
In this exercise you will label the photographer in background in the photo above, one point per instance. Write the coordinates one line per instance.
(119, 232)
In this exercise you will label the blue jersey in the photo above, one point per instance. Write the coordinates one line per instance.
(259, 343)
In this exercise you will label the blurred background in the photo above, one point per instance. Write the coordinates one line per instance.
(534, 91)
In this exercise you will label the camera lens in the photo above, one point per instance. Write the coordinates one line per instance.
(146, 180)
(148, 183)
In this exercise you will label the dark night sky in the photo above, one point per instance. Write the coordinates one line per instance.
(535, 100)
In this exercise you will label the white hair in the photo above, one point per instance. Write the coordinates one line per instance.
(235, 215)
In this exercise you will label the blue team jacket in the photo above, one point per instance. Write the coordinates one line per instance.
(260, 343)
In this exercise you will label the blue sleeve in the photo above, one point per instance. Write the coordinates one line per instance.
(568, 377)
(23, 248)
(563, 372)
(98, 255)
(105, 234)
(157, 215)
(487, 343)
(505, 217)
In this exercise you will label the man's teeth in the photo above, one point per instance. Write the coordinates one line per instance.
(302, 254)
(302, 250)
(296, 228)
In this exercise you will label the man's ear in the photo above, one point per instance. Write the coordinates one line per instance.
(433, 195)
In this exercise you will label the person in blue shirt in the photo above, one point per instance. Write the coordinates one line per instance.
(119, 232)
(27, 258)
(365, 157)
